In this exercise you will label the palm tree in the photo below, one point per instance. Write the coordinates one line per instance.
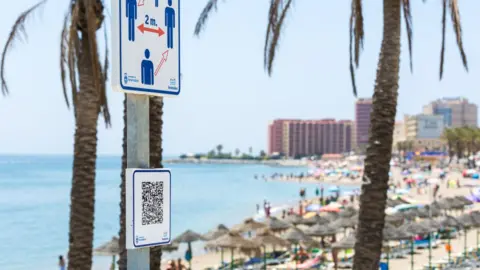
(374, 190)
(449, 138)
(219, 149)
(79, 58)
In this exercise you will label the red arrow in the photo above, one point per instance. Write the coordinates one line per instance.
(164, 59)
(141, 3)
(144, 29)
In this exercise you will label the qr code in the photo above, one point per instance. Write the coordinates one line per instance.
(152, 203)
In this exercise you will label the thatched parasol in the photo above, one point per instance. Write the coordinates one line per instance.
(464, 200)
(429, 211)
(396, 218)
(294, 219)
(431, 223)
(348, 212)
(450, 222)
(415, 228)
(171, 247)
(319, 230)
(217, 232)
(232, 240)
(276, 225)
(110, 248)
(248, 225)
(332, 216)
(345, 222)
(266, 237)
(316, 219)
(296, 236)
(188, 237)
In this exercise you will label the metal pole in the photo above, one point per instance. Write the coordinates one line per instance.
(430, 233)
(465, 244)
(412, 250)
(138, 156)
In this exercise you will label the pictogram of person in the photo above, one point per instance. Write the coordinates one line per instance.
(170, 23)
(131, 13)
(147, 69)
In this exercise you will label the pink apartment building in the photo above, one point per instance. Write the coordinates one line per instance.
(293, 137)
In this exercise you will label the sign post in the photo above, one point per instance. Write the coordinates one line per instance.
(146, 61)
(138, 156)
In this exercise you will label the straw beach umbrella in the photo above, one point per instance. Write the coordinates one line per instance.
(294, 219)
(469, 220)
(296, 237)
(276, 225)
(232, 240)
(390, 233)
(316, 219)
(110, 248)
(217, 232)
(348, 212)
(266, 237)
(248, 225)
(414, 228)
(448, 223)
(319, 230)
(189, 237)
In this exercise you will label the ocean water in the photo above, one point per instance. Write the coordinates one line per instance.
(35, 193)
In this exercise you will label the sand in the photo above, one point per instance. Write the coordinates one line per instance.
(421, 258)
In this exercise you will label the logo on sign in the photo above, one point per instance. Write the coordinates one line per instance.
(139, 239)
(125, 78)
(172, 84)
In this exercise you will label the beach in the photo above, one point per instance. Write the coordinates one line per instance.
(421, 255)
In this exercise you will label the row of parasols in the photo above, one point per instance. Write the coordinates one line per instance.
(277, 232)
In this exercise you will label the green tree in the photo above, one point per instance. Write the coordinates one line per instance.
(368, 246)
(263, 154)
(237, 152)
(80, 62)
(219, 149)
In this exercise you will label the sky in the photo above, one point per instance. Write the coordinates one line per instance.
(227, 98)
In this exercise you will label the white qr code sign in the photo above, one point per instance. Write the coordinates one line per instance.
(148, 194)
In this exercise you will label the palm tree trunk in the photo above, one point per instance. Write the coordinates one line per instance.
(122, 258)
(82, 196)
(368, 247)
(156, 113)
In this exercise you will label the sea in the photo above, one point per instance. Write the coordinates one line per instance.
(35, 198)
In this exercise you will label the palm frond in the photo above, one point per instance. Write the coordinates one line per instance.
(202, 20)
(98, 73)
(407, 15)
(357, 36)
(64, 56)
(444, 26)
(73, 51)
(272, 24)
(18, 30)
(275, 35)
(457, 26)
(105, 111)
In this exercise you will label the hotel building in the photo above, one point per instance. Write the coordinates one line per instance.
(456, 112)
(309, 137)
(363, 108)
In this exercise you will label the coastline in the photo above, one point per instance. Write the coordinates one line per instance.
(279, 163)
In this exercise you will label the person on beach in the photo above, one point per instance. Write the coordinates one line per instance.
(61, 262)
(172, 265)
(180, 266)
